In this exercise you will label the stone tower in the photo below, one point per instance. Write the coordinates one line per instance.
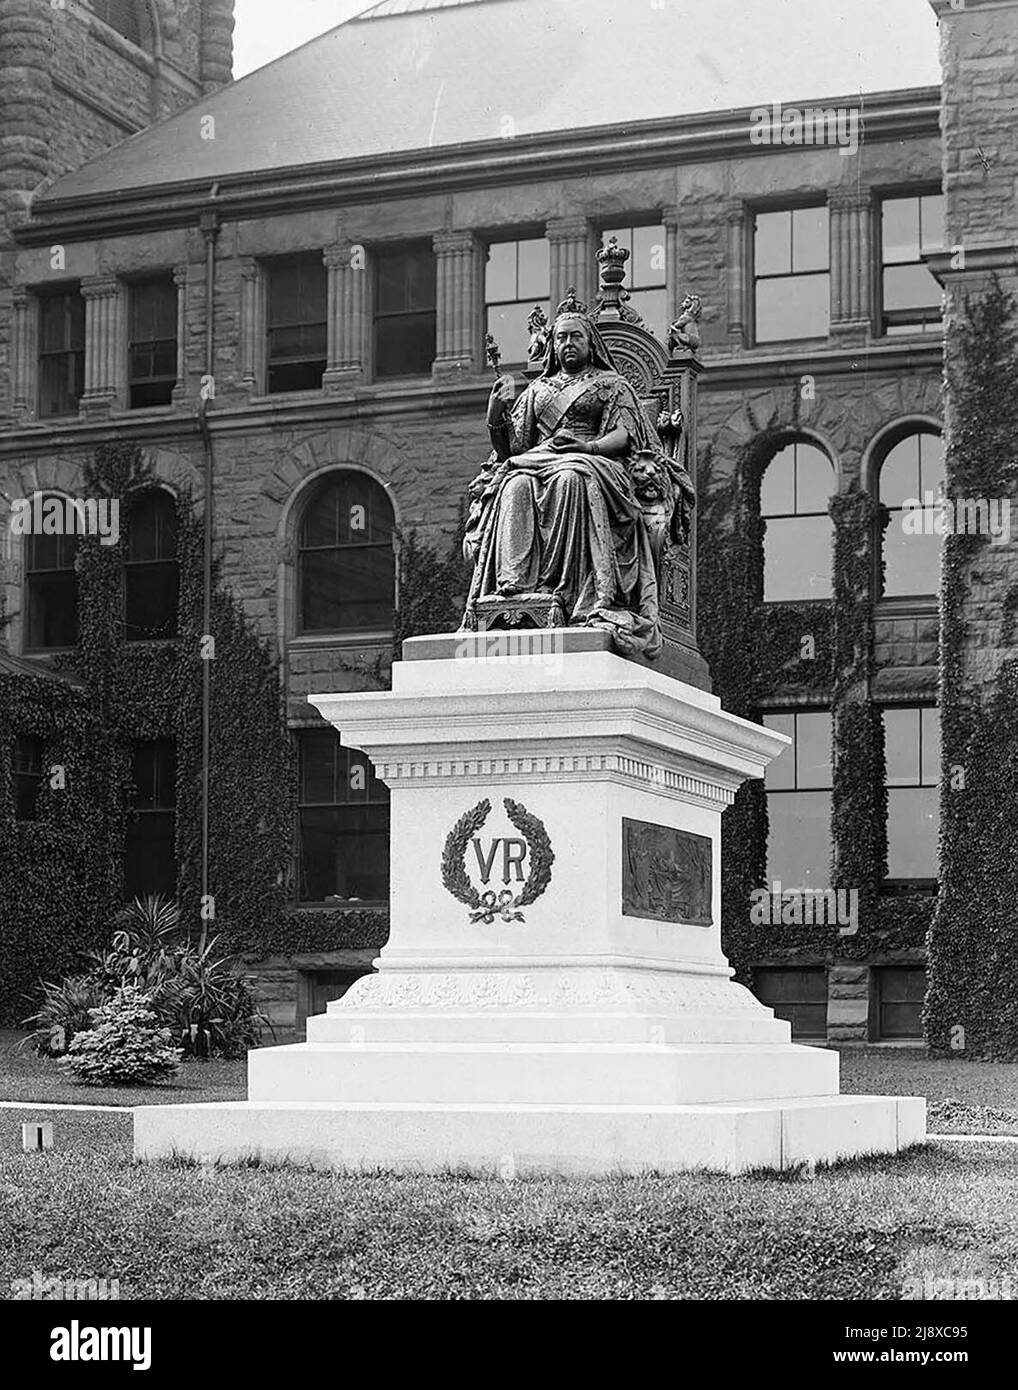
(973, 955)
(78, 76)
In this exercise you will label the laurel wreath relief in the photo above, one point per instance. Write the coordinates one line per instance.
(485, 907)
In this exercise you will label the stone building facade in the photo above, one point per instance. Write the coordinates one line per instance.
(79, 76)
(325, 330)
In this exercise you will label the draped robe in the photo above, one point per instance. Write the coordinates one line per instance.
(548, 521)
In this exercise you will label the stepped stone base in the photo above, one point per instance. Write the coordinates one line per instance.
(531, 1140)
(589, 1025)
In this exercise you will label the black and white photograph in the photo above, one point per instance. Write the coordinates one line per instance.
(508, 672)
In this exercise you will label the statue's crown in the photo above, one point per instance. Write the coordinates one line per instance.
(571, 304)
(612, 258)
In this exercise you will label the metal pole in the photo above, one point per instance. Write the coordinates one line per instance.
(210, 231)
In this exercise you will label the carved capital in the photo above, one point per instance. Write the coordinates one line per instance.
(568, 229)
(100, 287)
(850, 199)
(450, 243)
(339, 255)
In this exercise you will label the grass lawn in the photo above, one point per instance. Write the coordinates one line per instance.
(24, 1076)
(964, 1097)
(170, 1230)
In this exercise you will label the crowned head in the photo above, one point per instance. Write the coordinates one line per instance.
(572, 337)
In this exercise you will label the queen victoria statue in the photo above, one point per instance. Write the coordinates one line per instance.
(557, 529)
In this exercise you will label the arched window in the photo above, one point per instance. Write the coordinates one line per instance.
(798, 538)
(151, 576)
(346, 569)
(343, 822)
(910, 479)
(51, 585)
(125, 16)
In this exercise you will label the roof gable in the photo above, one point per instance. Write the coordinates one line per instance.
(411, 75)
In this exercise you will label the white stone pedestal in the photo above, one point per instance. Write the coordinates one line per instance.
(591, 1027)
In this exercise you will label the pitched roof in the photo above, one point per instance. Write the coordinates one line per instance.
(38, 670)
(411, 75)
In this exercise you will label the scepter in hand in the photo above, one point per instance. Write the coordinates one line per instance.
(502, 394)
(492, 352)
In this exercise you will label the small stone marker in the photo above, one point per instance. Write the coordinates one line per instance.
(37, 1137)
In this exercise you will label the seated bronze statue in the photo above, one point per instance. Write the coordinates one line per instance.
(557, 510)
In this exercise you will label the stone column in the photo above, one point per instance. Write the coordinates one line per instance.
(104, 344)
(180, 386)
(458, 329)
(22, 353)
(571, 256)
(252, 327)
(736, 220)
(347, 316)
(673, 270)
(851, 212)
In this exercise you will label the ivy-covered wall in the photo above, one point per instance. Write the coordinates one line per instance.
(61, 876)
(798, 655)
(972, 1003)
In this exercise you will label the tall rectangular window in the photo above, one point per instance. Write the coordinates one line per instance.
(911, 296)
(404, 310)
(51, 592)
(298, 300)
(152, 341)
(61, 351)
(344, 823)
(799, 785)
(646, 273)
(151, 571)
(27, 777)
(515, 280)
(791, 268)
(150, 863)
(912, 753)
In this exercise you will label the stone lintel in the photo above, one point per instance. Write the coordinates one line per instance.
(974, 261)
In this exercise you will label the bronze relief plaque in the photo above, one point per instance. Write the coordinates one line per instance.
(667, 874)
